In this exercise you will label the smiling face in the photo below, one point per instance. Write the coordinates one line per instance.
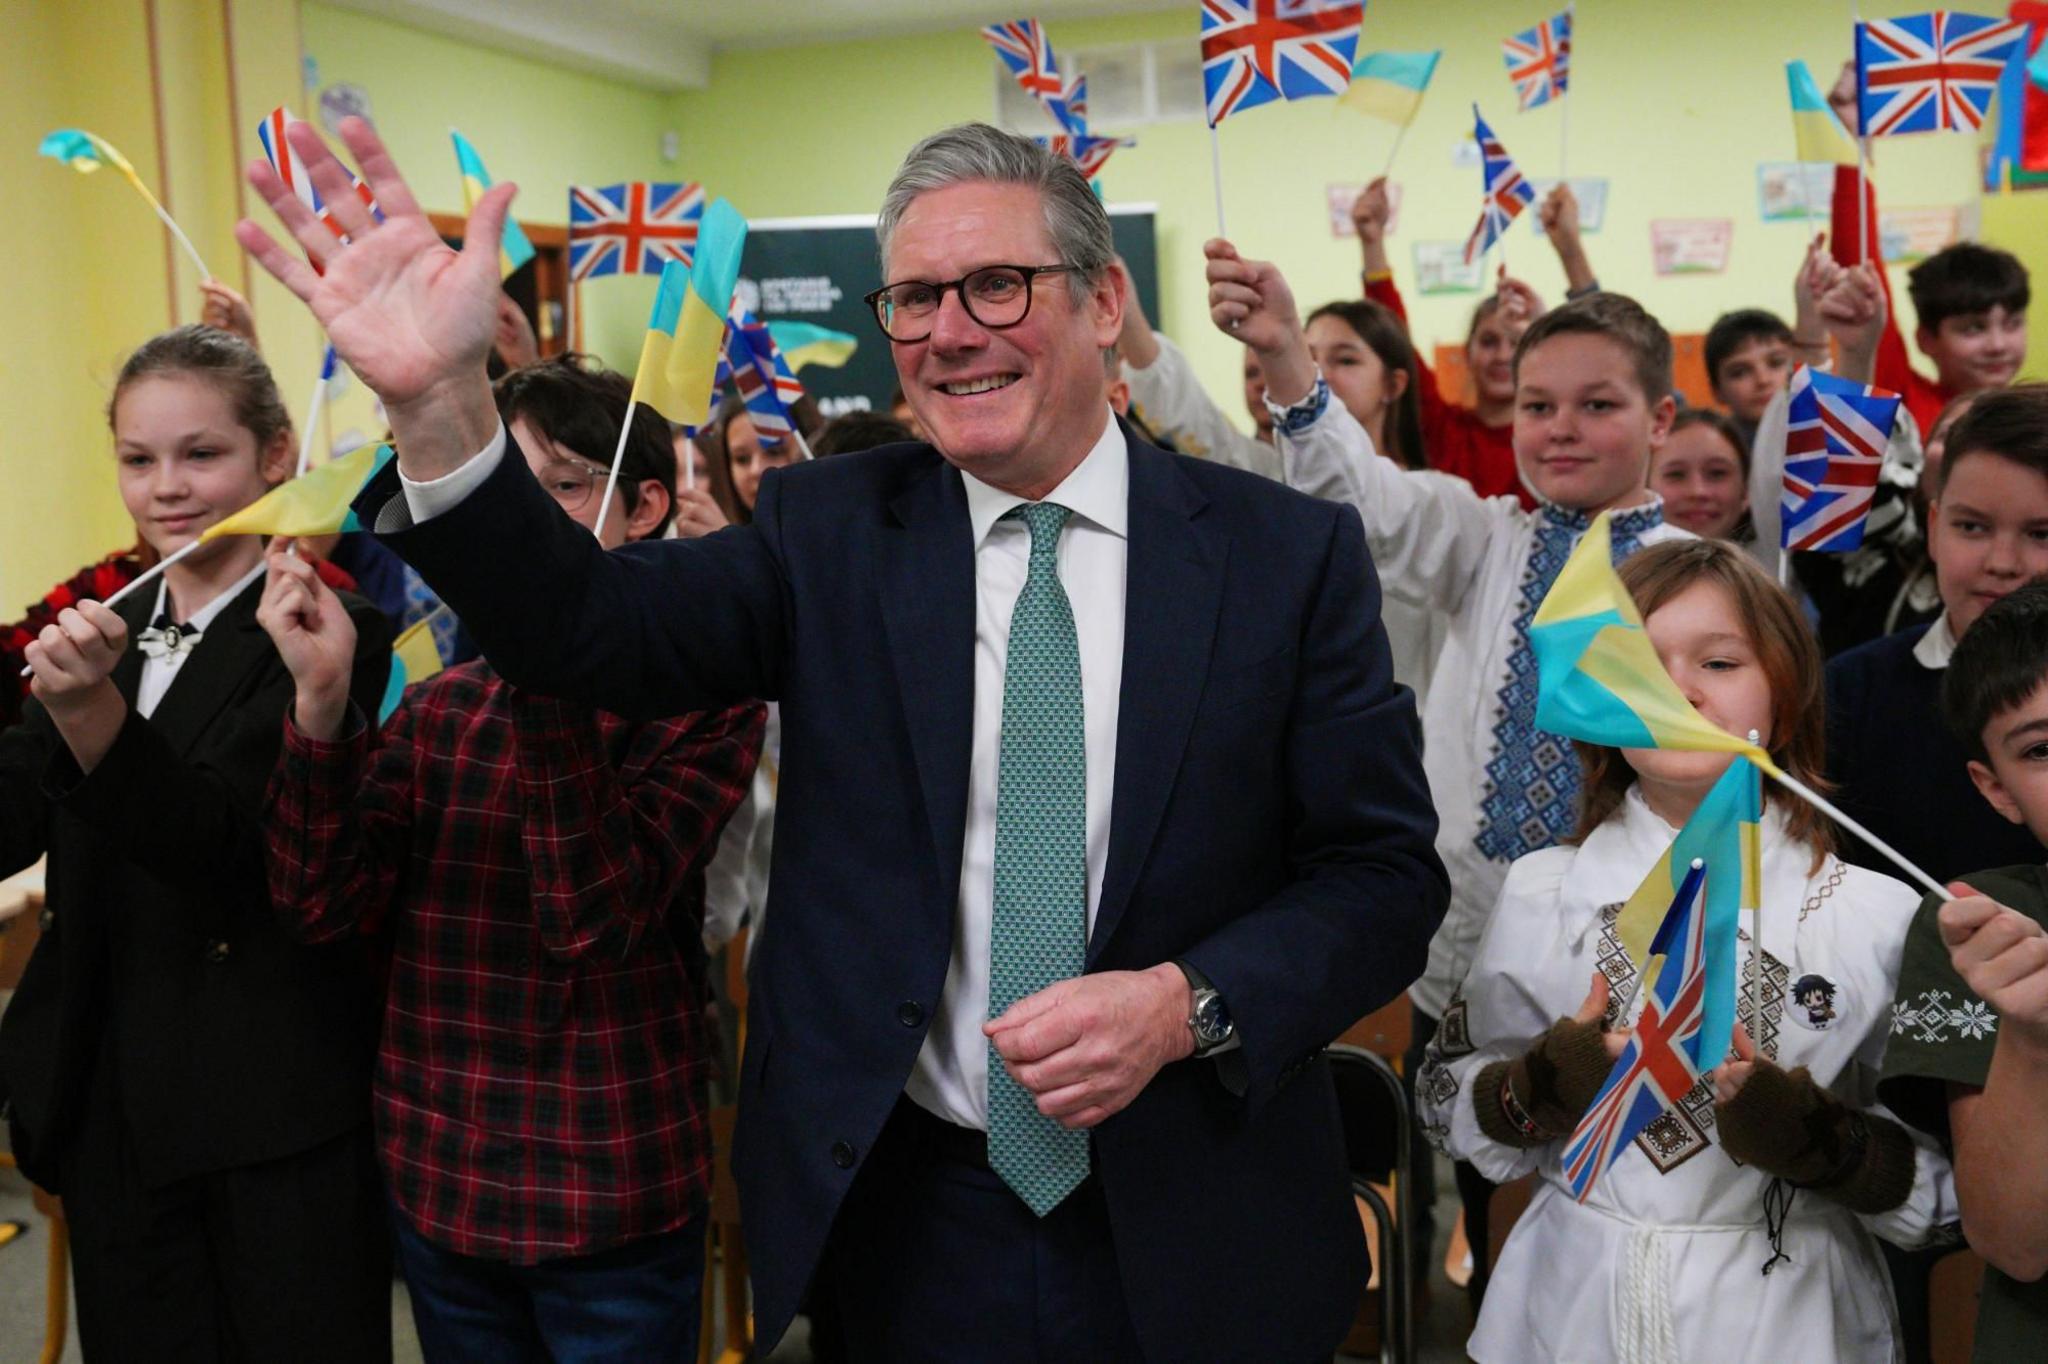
(1584, 430)
(749, 459)
(1020, 406)
(577, 484)
(1704, 644)
(1699, 476)
(1987, 534)
(1358, 377)
(1753, 374)
(1971, 351)
(185, 462)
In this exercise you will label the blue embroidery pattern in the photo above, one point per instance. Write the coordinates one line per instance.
(1532, 779)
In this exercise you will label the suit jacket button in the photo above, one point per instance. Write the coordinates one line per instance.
(910, 1013)
(842, 1154)
(46, 920)
(217, 952)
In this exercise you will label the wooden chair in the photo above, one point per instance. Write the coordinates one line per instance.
(725, 1257)
(1952, 1288)
(725, 1249)
(18, 935)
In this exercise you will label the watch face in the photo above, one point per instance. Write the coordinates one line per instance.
(1212, 1019)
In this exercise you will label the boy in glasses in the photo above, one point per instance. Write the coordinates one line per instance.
(537, 870)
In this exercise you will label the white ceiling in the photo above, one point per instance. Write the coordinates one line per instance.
(667, 44)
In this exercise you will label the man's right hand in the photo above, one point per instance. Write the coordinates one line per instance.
(314, 637)
(413, 318)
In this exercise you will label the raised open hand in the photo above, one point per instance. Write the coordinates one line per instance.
(413, 318)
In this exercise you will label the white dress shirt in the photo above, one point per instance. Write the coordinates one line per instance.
(1937, 646)
(159, 673)
(951, 1075)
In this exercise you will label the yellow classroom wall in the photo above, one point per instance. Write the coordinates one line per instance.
(1674, 105)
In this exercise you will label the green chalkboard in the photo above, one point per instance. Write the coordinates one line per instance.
(817, 269)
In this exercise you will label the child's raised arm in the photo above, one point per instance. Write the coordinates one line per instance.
(1428, 534)
(1559, 214)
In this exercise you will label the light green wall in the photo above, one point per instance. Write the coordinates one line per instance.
(542, 126)
(1674, 104)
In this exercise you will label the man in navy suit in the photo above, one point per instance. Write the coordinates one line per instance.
(1100, 811)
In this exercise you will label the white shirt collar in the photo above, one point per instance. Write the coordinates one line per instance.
(207, 614)
(1937, 646)
(1098, 489)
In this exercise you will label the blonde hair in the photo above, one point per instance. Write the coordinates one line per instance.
(1785, 650)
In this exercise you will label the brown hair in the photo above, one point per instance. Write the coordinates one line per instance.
(1620, 319)
(576, 402)
(1786, 651)
(219, 358)
(1384, 334)
(1721, 424)
(2011, 423)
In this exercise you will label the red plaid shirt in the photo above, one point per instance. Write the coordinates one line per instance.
(539, 869)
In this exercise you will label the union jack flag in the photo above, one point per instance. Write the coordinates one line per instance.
(1507, 193)
(1027, 51)
(1930, 72)
(1835, 434)
(632, 229)
(760, 375)
(1257, 51)
(1539, 60)
(285, 161)
(1661, 1063)
(1088, 152)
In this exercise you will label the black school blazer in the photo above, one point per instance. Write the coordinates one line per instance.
(234, 1043)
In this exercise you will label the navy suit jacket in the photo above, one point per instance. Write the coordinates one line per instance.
(1270, 824)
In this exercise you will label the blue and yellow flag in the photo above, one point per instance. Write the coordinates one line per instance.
(686, 333)
(1598, 676)
(1725, 833)
(415, 657)
(1817, 135)
(807, 343)
(1389, 85)
(514, 250)
(314, 503)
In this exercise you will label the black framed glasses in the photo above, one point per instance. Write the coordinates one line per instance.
(996, 296)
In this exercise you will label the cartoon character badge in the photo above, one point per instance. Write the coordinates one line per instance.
(1813, 1003)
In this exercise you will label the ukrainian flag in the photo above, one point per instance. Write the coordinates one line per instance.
(1389, 85)
(514, 250)
(314, 503)
(1598, 676)
(1725, 833)
(415, 657)
(1817, 135)
(686, 334)
(806, 343)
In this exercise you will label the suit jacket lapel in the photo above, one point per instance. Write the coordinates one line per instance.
(1173, 591)
(927, 587)
(226, 651)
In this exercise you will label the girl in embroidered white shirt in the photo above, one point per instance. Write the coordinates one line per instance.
(1739, 1225)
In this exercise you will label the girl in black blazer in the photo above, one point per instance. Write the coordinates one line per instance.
(192, 1083)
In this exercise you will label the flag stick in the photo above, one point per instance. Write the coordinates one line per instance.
(169, 221)
(569, 317)
(689, 463)
(1216, 171)
(1395, 150)
(1564, 132)
(1862, 197)
(1827, 808)
(150, 576)
(612, 479)
(313, 411)
(803, 446)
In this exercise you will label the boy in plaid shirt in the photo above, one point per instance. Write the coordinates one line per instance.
(537, 869)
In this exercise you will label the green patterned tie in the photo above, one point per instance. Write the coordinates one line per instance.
(1039, 927)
